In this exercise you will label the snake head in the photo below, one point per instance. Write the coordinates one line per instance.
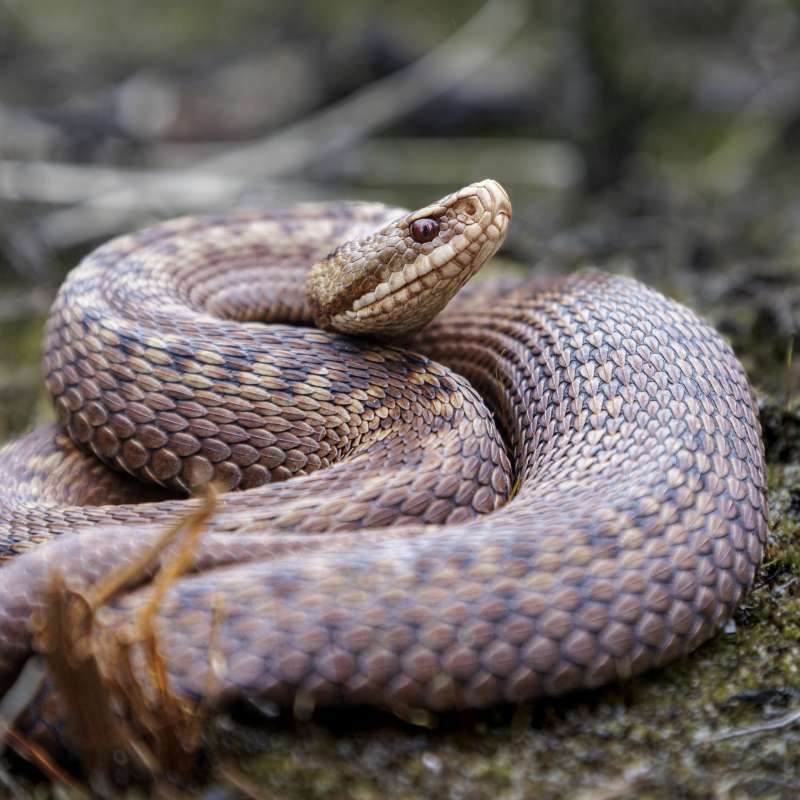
(398, 278)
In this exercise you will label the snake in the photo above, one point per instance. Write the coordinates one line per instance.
(432, 499)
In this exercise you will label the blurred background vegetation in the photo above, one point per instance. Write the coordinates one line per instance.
(657, 139)
(653, 138)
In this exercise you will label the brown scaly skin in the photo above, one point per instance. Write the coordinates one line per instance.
(637, 522)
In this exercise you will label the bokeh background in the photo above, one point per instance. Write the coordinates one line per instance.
(657, 139)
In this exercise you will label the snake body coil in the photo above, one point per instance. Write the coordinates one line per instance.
(625, 484)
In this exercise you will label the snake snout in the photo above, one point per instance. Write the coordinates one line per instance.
(500, 201)
(486, 204)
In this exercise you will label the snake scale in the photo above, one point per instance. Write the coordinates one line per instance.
(599, 513)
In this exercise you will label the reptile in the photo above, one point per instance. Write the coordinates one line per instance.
(550, 484)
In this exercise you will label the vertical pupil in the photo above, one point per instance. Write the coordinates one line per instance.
(423, 230)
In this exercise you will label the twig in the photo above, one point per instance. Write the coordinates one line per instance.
(44, 763)
(20, 696)
(785, 721)
(53, 182)
(400, 160)
(13, 704)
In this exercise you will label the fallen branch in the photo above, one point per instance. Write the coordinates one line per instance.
(314, 138)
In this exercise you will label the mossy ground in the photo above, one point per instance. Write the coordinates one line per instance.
(723, 722)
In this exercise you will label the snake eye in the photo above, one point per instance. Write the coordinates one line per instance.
(423, 230)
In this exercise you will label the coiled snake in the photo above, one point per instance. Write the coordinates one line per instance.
(420, 556)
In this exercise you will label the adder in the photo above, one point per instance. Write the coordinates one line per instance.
(551, 484)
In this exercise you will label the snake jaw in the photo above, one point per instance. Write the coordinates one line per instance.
(388, 284)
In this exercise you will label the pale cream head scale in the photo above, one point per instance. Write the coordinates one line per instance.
(398, 278)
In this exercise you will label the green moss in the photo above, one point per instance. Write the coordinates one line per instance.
(22, 397)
